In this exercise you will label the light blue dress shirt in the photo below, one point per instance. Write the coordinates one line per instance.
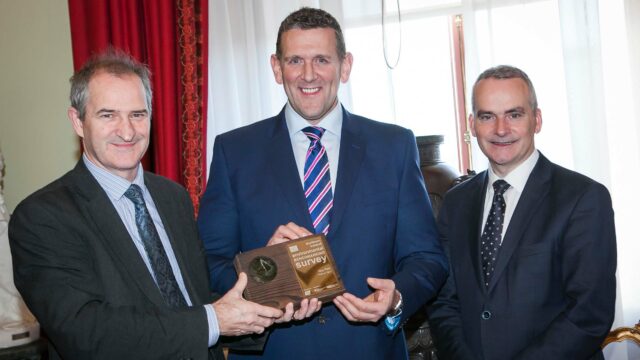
(115, 187)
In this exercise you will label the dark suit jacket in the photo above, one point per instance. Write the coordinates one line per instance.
(80, 274)
(552, 295)
(382, 226)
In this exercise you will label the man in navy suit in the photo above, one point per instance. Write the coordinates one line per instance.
(538, 280)
(381, 229)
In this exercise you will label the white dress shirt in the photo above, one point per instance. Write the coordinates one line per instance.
(517, 178)
(332, 123)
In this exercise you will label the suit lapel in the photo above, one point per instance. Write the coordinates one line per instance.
(474, 219)
(112, 232)
(285, 172)
(534, 193)
(352, 150)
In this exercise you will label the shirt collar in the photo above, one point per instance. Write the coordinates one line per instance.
(518, 177)
(332, 122)
(114, 185)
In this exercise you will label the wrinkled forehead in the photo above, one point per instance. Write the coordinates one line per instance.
(317, 41)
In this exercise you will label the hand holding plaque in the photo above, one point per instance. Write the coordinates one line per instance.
(290, 272)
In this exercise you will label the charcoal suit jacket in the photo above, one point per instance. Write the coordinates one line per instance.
(552, 295)
(80, 273)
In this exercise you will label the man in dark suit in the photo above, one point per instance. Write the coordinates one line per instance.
(531, 245)
(374, 205)
(108, 257)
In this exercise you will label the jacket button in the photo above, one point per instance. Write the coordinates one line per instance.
(322, 320)
(486, 315)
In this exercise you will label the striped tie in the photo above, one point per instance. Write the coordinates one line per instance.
(317, 181)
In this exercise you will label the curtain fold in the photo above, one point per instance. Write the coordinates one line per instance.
(193, 45)
(168, 36)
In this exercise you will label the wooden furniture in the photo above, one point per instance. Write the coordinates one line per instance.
(439, 178)
(623, 333)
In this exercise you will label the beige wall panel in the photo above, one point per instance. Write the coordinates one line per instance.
(35, 65)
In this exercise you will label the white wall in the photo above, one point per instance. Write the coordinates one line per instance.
(36, 138)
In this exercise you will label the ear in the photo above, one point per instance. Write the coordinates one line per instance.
(472, 123)
(345, 69)
(277, 68)
(76, 122)
(538, 116)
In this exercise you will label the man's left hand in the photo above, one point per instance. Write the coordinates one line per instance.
(373, 307)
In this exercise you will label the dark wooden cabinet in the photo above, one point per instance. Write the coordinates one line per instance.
(439, 178)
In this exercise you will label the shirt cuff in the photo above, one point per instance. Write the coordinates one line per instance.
(214, 329)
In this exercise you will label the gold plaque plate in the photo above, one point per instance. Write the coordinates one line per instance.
(290, 272)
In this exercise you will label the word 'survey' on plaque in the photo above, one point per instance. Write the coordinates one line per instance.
(290, 272)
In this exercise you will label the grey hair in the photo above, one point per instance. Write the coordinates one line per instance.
(506, 72)
(112, 61)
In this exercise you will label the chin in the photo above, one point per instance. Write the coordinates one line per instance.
(127, 164)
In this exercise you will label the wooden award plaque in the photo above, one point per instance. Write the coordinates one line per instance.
(290, 272)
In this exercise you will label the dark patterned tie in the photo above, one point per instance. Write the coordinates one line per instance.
(317, 181)
(492, 234)
(155, 251)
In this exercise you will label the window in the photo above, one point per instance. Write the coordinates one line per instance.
(419, 92)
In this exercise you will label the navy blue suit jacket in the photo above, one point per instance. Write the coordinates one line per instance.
(552, 295)
(382, 226)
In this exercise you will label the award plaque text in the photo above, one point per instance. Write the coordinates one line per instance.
(290, 272)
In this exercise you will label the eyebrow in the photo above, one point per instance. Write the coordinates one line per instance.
(484, 112)
(115, 111)
(517, 109)
(323, 56)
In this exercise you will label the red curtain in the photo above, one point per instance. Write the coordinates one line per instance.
(171, 37)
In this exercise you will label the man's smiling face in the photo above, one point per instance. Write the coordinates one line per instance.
(311, 71)
(504, 122)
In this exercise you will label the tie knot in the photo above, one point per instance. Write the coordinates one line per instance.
(500, 186)
(134, 193)
(314, 133)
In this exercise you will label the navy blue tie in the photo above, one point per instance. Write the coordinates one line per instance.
(492, 235)
(317, 181)
(160, 265)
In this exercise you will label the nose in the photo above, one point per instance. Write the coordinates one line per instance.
(126, 131)
(502, 127)
(309, 73)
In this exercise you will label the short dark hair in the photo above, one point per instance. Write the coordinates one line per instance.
(112, 61)
(310, 18)
(506, 72)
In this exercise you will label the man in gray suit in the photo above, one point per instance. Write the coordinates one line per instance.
(108, 256)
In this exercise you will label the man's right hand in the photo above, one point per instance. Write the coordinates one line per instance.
(237, 316)
(284, 233)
